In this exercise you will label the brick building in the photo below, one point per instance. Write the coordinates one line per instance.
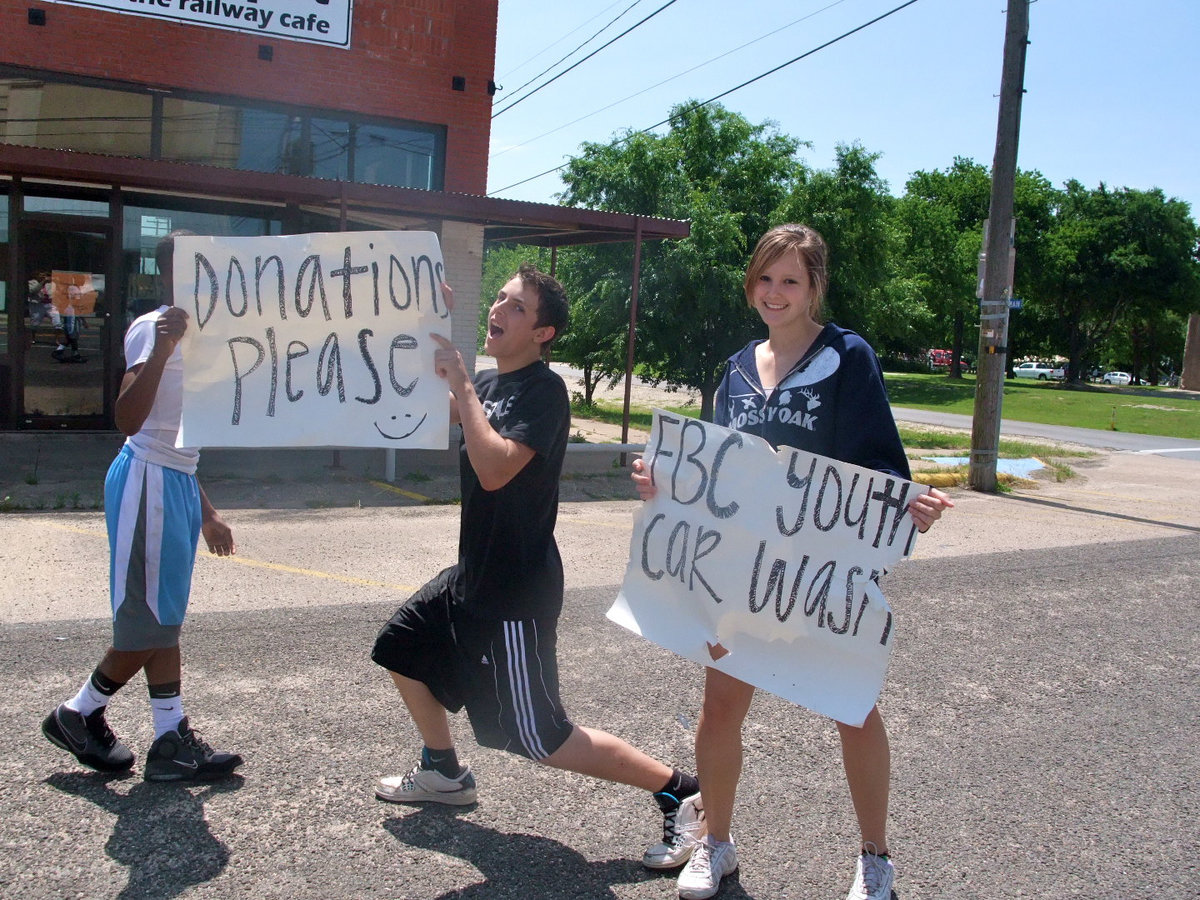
(121, 120)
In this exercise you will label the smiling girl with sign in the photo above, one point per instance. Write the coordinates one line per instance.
(818, 388)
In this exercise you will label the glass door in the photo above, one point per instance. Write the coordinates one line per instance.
(65, 326)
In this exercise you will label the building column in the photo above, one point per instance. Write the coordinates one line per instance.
(462, 249)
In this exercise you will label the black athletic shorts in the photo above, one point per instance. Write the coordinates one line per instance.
(505, 672)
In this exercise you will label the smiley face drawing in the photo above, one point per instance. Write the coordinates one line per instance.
(403, 422)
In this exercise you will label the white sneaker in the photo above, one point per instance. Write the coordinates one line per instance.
(419, 785)
(683, 826)
(711, 861)
(873, 880)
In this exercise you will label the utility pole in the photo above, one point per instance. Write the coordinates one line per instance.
(997, 289)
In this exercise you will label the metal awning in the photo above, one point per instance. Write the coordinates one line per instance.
(504, 221)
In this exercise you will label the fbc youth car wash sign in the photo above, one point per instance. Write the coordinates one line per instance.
(765, 564)
(315, 21)
(312, 340)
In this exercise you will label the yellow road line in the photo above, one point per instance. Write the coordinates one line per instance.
(76, 530)
(259, 564)
(316, 573)
(420, 498)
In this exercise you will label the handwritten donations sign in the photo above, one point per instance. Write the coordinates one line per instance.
(312, 340)
(765, 564)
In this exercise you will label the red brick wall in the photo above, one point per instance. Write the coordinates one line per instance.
(402, 57)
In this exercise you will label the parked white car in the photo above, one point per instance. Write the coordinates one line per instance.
(1039, 370)
(1116, 378)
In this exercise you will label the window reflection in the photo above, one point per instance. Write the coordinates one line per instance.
(45, 113)
(197, 132)
(145, 226)
(74, 117)
(384, 155)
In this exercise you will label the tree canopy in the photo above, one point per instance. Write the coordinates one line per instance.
(1106, 276)
(725, 175)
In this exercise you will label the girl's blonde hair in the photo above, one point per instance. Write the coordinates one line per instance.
(807, 244)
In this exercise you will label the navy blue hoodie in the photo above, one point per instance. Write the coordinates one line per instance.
(832, 402)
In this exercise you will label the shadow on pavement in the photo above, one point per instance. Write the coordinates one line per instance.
(160, 834)
(525, 865)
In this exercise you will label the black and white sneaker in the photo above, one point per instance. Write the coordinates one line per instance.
(683, 827)
(87, 738)
(419, 785)
(182, 755)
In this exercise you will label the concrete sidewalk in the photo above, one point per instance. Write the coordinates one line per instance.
(56, 471)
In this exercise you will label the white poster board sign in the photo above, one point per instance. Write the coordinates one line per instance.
(312, 340)
(764, 564)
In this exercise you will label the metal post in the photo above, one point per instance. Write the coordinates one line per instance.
(633, 310)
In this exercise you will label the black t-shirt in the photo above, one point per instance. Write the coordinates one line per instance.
(508, 561)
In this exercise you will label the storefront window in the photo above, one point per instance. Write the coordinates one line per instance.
(46, 113)
(3, 255)
(74, 117)
(330, 142)
(267, 140)
(198, 132)
(398, 156)
(66, 206)
(146, 226)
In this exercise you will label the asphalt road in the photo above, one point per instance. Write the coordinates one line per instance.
(1042, 704)
(1179, 448)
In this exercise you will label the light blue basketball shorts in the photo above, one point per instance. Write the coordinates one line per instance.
(153, 515)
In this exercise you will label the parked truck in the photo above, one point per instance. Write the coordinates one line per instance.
(1042, 371)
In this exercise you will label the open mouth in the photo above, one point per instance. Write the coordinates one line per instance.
(494, 330)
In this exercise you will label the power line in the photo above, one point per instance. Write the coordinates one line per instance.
(585, 59)
(696, 106)
(576, 50)
(529, 60)
(678, 75)
(786, 64)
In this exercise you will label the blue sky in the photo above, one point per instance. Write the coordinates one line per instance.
(1110, 86)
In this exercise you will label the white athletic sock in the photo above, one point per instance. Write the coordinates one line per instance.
(168, 713)
(88, 700)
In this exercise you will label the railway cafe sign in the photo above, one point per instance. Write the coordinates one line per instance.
(314, 21)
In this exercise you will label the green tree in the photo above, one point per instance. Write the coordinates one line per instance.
(1118, 261)
(724, 174)
(597, 288)
(939, 221)
(1162, 285)
(851, 207)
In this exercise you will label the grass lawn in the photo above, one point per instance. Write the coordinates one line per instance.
(918, 441)
(1140, 410)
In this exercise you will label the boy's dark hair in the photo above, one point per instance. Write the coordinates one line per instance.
(552, 302)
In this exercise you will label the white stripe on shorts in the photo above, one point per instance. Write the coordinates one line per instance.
(521, 688)
(139, 474)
